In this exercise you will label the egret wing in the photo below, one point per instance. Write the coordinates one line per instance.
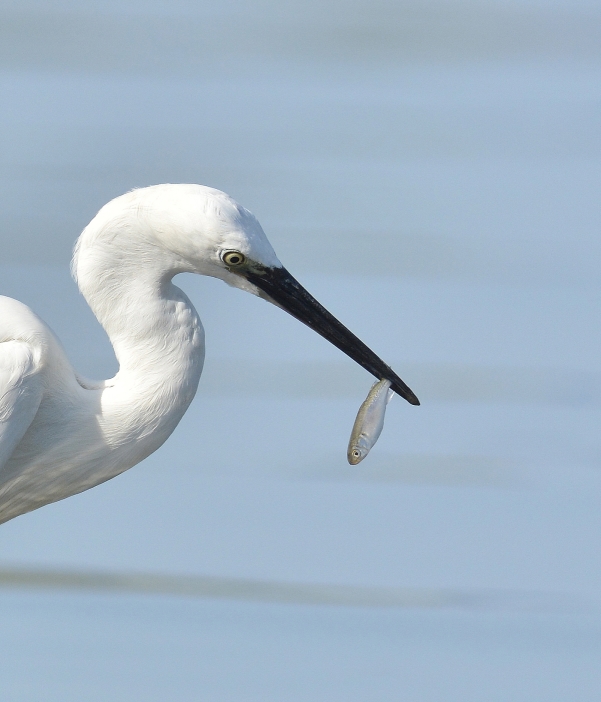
(20, 394)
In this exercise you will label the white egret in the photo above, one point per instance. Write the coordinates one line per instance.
(61, 434)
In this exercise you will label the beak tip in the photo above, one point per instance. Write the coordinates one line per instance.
(412, 399)
(403, 390)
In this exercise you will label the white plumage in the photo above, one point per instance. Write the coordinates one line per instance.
(61, 434)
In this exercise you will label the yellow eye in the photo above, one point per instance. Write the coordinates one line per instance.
(233, 258)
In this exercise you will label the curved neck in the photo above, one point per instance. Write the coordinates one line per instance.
(151, 324)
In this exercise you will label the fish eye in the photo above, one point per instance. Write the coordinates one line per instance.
(233, 258)
(356, 453)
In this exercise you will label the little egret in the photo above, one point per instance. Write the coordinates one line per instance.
(61, 434)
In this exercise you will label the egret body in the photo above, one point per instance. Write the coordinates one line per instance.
(60, 433)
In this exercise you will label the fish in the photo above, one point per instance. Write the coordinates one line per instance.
(369, 422)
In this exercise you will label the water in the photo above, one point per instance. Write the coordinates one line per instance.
(431, 174)
(151, 648)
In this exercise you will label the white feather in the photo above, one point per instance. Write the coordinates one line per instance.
(61, 434)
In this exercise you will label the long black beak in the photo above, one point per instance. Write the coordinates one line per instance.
(289, 294)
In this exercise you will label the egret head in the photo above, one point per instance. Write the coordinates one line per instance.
(247, 261)
(202, 230)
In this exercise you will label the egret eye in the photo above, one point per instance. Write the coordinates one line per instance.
(233, 258)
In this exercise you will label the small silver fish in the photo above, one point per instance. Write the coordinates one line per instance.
(369, 422)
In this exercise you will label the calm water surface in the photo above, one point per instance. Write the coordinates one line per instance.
(432, 175)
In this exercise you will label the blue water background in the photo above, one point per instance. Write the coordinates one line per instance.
(431, 172)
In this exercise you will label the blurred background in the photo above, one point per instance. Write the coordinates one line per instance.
(431, 172)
